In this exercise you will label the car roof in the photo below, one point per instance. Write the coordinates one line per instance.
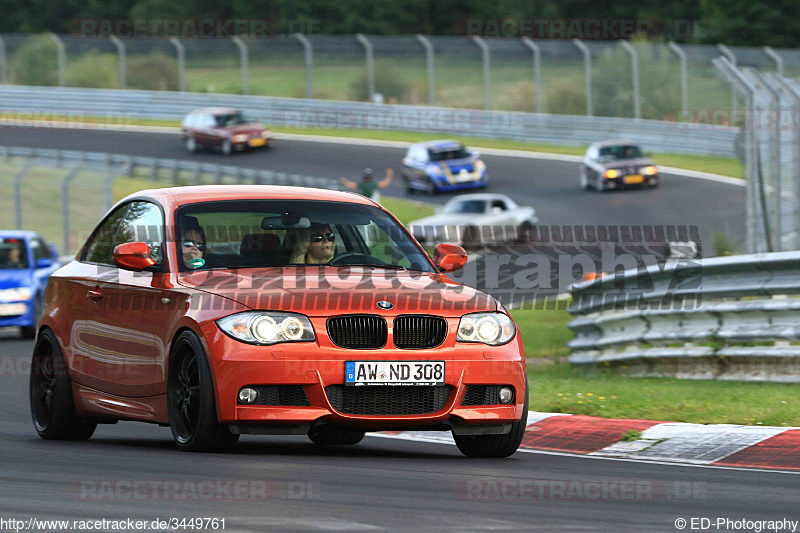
(18, 234)
(173, 197)
(616, 142)
(480, 196)
(442, 144)
(218, 110)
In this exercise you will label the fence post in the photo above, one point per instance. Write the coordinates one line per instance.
(113, 174)
(181, 52)
(122, 61)
(755, 213)
(775, 156)
(537, 70)
(243, 61)
(732, 58)
(775, 57)
(65, 206)
(2, 61)
(18, 190)
(587, 63)
(308, 55)
(62, 59)
(426, 43)
(684, 78)
(794, 94)
(637, 103)
(487, 71)
(370, 65)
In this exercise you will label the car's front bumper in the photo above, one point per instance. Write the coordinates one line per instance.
(316, 365)
(622, 182)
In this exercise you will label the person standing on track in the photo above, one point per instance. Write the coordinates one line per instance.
(368, 186)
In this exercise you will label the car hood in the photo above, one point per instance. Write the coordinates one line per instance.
(638, 162)
(327, 291)
(12, 278)
(456, 165)
(244, 128)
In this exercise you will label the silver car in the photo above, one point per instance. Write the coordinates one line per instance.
(618, 164)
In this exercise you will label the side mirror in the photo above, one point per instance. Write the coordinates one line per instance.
(133, 256)
(449, 257)
(476, 155)
(44, 262)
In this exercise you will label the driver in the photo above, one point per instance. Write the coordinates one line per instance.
(315, 246)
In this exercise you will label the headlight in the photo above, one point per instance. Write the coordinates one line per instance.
(16, 294)
(480, 166)
(267, 327)
(239, 138)
(435, 169)
(649, 171)
(611, 173)
(493, 329)
(266, 134)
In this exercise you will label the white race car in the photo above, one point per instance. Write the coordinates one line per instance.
(474, 219)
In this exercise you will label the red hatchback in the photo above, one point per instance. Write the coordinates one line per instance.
(223, 129)
(229, 310)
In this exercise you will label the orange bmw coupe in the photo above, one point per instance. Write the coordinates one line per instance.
(228, 310)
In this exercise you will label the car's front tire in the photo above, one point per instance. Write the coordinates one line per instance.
(495, 446)
(191, 401)
(227, 147)
(329, 436)
(191, 144)
(52, 407)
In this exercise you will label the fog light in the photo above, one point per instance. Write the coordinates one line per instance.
(506, 395)
(249, 395)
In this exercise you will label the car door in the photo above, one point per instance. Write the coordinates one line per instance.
(128, 314)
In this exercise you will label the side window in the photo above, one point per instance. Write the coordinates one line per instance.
(40, 249)
(142, 223)
(98, 248)
(499, 203)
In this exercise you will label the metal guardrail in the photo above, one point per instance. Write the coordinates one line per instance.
(660, 136)
(114, 166)
(724, 318)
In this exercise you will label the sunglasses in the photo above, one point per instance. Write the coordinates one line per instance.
(190, 243)
(319, 238)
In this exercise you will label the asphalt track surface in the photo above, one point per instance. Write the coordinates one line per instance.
(380, 484)
(287, 483)
(548, 185)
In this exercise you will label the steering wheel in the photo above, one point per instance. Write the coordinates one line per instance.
(355, 258)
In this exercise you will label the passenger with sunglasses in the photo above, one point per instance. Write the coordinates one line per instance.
(315, 246)
(193, 247)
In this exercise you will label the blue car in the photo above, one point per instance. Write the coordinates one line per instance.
(436, 166)
(26, 263)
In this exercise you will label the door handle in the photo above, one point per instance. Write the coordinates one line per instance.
(94, 295)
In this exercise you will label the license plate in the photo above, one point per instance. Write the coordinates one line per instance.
(258, 142)
(464, 176)
(394, 373)
(13, 309)
(636, 178)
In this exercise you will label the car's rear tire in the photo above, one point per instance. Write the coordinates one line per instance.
(328, 436)
(584, 179)
(191, 400)
(524, 232)
(495, 446)
(52, 407)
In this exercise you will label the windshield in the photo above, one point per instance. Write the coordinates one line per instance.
(616, 153)
(13, 254)
(451, 152)
(270, 233)
(233, 119)
(466, 206)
